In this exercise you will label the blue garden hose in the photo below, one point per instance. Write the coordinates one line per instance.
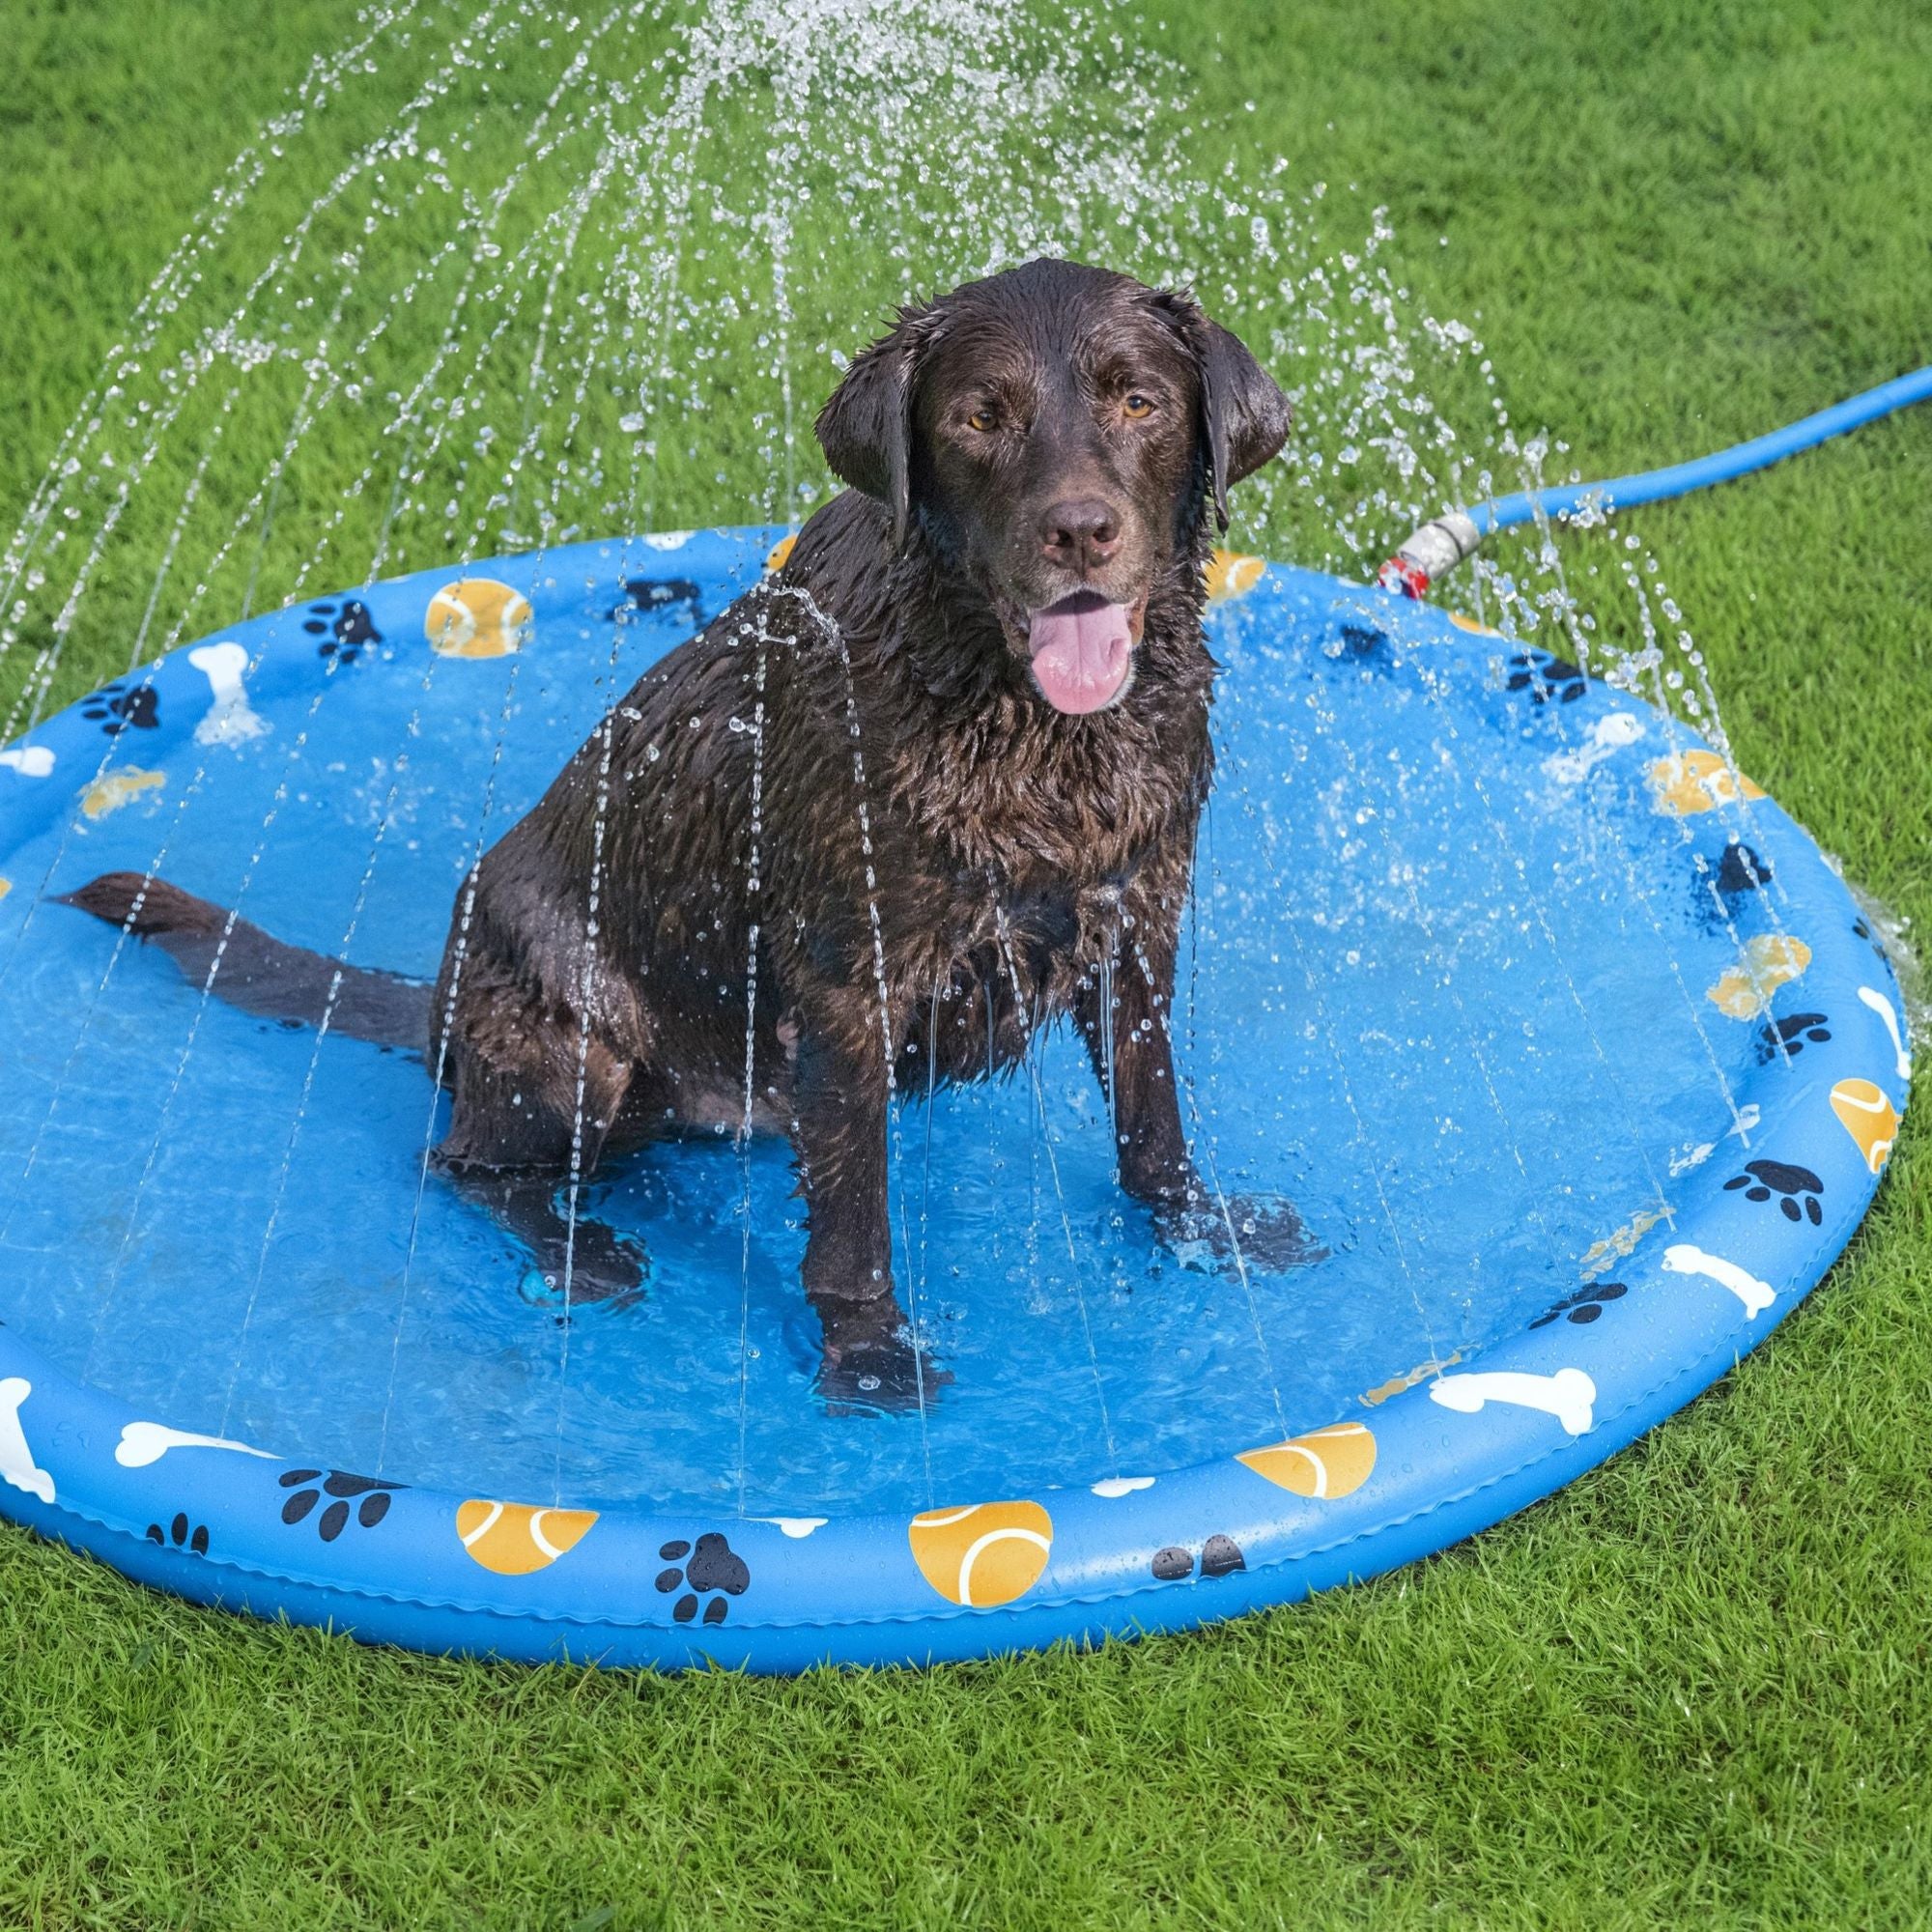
(1439, 546)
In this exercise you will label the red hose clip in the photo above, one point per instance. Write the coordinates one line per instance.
(1400, 575)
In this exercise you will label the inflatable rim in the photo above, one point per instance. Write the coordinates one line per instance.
(1422, 1470)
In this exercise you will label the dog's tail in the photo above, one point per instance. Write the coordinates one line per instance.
(255, 970)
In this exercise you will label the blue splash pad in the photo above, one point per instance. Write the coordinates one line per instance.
(1481, 976)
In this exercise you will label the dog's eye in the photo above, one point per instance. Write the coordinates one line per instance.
(1137, 406)
(983, 420)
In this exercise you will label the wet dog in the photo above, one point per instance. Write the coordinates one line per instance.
(939, 776)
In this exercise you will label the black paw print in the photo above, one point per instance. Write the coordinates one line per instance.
(1585, 1306)
(1546, 677)
(1742, 870)
(1790, 1034)
(1797, 1188)
(344, 629)
(714, 1567)
(1220, 1556)
(116, 708)
(182, 1534)
(1362, 645)
(655, 594)
(344, 1489)
(1862, 927)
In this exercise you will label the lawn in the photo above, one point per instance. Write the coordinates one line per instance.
(1694, 1684)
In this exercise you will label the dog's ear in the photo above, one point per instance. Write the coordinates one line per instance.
(865, 427)
(1244, 416)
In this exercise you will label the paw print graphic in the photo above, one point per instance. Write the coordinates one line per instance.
(1797, 1188)
(1862, 927)
(1546, 677)
(1220, 1556)
(180, 1534)
(1363, 646)
(1789, 1036)
(1742, 870)
(343, 1490)
(655, 595)
(118, 707)
(1585, 1306)
(345, 629)
(713, 1569)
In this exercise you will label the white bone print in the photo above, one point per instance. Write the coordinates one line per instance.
(31, 762)
(1883, 1009)
(229, 719)
(1755, 1294)
(1607, 735)
(143, 1443)
(1569, 1395)
(17, 1459)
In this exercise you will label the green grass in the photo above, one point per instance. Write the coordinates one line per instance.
(1691, 1688)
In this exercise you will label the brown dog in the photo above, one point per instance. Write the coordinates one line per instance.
(977, 697)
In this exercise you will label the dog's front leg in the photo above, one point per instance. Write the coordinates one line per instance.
(1204, 1225)
(839, 1134)
(1151, 1149)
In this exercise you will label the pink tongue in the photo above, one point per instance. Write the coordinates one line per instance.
(1081, 652)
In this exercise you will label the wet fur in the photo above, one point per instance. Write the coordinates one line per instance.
(1007, 851)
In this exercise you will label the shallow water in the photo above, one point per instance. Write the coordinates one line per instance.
(1448, 987)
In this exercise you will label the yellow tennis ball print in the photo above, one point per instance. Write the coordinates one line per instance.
(517, 1539)
(1772, 959)
(781, 553)
(1327, 1463)
(984, 1554)
(1230, 574)
(114, 790)
(1694, 781)
(1868, 1117)
(477, 617)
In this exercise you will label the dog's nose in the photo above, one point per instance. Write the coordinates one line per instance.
(1079, 534)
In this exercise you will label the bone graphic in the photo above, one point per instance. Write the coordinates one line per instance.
(1113, 1488)
(1574, 766)
(31, 762)
(17, 1459)
(1883, 1008)
(794, 1526)
(229, 719)
(143, 1443)
(1755, 1294)
(1567, 1395)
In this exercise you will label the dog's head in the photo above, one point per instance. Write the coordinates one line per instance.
(1060, 433)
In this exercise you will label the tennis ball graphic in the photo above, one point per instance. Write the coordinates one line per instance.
(983, 1554)
(477, 617)
(515, 1539)
(1868, 1117)
(114, 790)
(1326, 1463)
(1695, 782)
(1772, 959)
(1229, 573)
(781, 552)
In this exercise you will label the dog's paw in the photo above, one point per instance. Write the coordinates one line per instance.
(598, 1264)
(1264, 1230)
(869, 1364)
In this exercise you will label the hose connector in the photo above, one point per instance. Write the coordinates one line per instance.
(1431, 553)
